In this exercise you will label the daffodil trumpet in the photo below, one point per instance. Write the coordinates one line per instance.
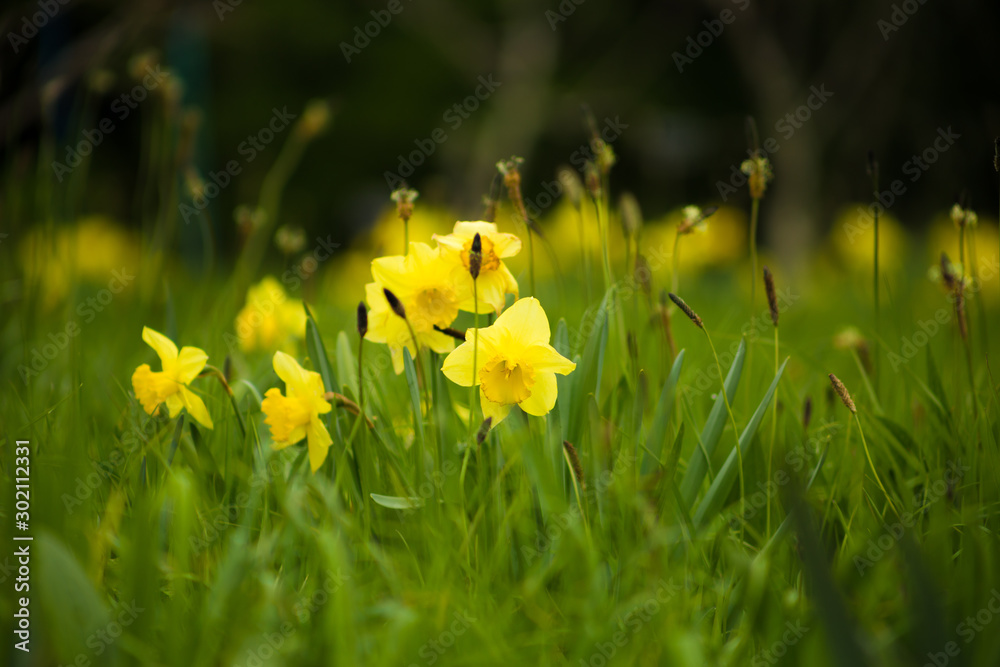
(296, 414)
(517, 365)
(171, 385)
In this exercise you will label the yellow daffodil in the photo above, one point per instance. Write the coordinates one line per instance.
(495, 280)
(296, 415)
(269, 320)
(423, 283)
(170, 385)
(514, 362)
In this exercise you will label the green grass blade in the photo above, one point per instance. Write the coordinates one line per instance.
(723, 482)
(661, 418)
(717, 418)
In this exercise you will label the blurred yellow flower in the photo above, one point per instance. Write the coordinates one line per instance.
(170, 386)
(269, 320)
(92, 249)
(852, 238)
(722, 240)
(495, 280)
(514, 362)
(296, 415)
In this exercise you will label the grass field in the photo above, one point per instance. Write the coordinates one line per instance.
(680, 525)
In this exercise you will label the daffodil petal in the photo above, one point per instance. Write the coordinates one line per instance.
(196, 407)
(545, 359)
(289, 370)
(492, 410)
(506, 245)
(319, 444)
(164, 347)
(543, 395)
(190, 362)
(524, 323)
(174, 404)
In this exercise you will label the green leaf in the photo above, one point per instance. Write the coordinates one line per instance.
(317, 353)
(723, 482)
(397, 502)
(587, 377)
(936, 388)
(717, 418)
(347, 363)
(661, 418)
(414, 385)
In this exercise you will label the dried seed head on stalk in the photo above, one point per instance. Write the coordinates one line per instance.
(807, 411)
(841, 390)
(759, 174)
(571, 184)
(687, 310)
(512, 180)
(631, 216)
(592, 179)
(314, 120)
(772, 297)
(694, 219)
(475, 256)
(394, 303)
(996, 155)
(362, 319)
(948, 272)
(963, 324)
(404, 198)
(574, 460)
(484, 430)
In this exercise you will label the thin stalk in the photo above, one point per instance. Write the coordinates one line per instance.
(871, 463)
(602, 232)
(878, 319)
(675, 278)
(584, 254)
(531, 261)
(736, 431)
(475, 354)
(774, 428)
(406, 237)
(212, 370)
(754, 214)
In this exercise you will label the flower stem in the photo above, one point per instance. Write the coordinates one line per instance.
(774, 427)
(868, 454)
(531, 261)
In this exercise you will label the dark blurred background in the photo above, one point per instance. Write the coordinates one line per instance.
(676, 79)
